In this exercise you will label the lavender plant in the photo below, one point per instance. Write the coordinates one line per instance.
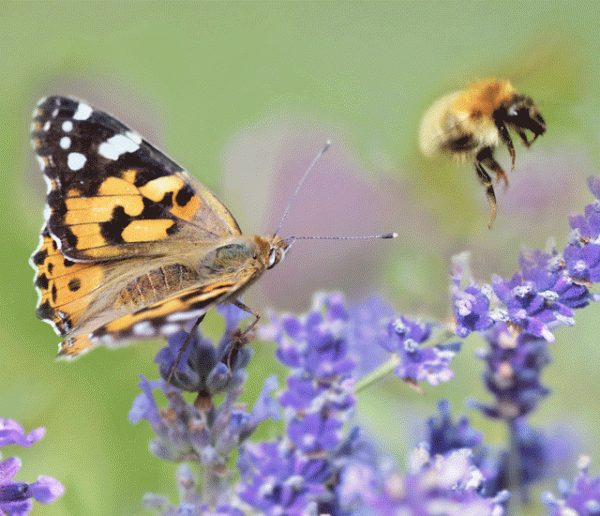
(16, 498)
(324, 463)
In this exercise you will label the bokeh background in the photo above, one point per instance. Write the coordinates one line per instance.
(244, 94)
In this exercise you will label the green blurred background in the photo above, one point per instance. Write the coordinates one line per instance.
(244, 94)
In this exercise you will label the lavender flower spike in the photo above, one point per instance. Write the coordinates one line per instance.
(16, 497)
(583, 497)
(442, 484)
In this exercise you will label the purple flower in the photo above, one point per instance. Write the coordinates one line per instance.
(316, 343)
(203, 367)
(547, 272)
(445, 435)
(470, 306)
(529, 460)
(583, 260)
(534, 311)
(16, 497)
(315, 432)
(588, 224)
(514, 366)
(145, 407)
(416, 363)
(300, 392)
(281, 481)
(580, 498)
(317, 349)
(291, 476)
(202, 432)
(12, 432)
(206, 437)
(439, 484)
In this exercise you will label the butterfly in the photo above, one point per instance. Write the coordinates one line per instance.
(133, 246)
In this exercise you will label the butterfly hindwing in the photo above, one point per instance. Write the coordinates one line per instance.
(64, 286)
(162, 318)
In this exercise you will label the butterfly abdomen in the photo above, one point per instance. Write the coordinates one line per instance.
(155, 285)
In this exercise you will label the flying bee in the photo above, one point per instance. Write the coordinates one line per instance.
(470, 124)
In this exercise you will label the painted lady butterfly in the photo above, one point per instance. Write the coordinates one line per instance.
(133, 246)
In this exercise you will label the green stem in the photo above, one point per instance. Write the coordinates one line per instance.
(514, 467)
(378, 374)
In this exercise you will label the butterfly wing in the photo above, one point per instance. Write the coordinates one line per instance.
(112, 194)
(162, 318)
(120, 217)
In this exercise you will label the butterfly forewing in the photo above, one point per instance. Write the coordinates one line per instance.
(112, 194)
(125, 233)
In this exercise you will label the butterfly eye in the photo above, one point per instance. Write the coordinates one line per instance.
(274, 257)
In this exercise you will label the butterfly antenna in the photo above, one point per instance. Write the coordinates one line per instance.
(360, 237)
(323, 151)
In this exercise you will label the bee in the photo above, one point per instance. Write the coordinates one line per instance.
(470, 124)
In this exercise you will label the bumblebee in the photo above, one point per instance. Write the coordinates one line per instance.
(471, 123)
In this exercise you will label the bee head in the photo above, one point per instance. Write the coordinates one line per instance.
(524, 114)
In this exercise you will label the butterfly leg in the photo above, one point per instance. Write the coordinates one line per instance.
(184, 346)
(249, 310)
(239, 340)
(486, 181)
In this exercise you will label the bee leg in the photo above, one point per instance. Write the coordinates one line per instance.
(486, 157)
(486, 181)
(507, 140)
(523, 137)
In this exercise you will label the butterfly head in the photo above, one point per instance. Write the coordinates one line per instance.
(278, 247)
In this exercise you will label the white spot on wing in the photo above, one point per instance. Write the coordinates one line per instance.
(107, 340)
(134, 137)
(169, 329)
(65, 142)
(57, 240)
(65, 319)
(83, 112)
(117, 145)
(108, 151)
(35, 268)
(48, 184)
(143, 329)
(41, 162)
(67, 126)
(46, 126)
(186, 316)
(76, 160)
